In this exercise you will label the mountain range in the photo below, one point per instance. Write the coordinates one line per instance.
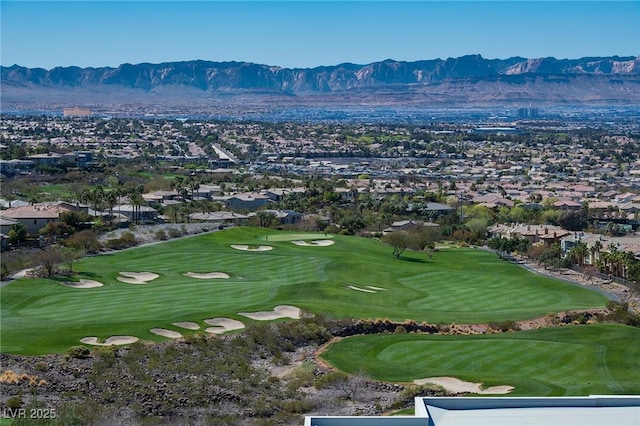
(467, 80)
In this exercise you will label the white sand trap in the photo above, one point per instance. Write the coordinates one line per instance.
(137, 277)
(282, 311)
(166, 333)
(353, 287)
(188, 325)
(247, 248)
(113, 340)
(456, 385)
(206, 276)
(222, 325)
(82, 284)
(376, 288)
(317, 243)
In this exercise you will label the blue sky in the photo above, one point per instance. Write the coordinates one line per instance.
(310, 33)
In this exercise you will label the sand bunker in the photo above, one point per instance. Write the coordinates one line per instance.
(282, 311)
(82, 284)
(317, 243)
(188, 325)
(137, 277)
(364, 290)
(368, 289)
(166, 333)
(206, 276)
(251, 248)
(456, 385)
(376, 288)
(222, 325)
(113, 340)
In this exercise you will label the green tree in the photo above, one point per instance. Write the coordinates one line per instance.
(399, 240)
(267, 219)
(18, 233)
(352, 223)
(85, 240)
(52, 229)
(578, 252)
(573, 221)
(477, 228)
(49, 259)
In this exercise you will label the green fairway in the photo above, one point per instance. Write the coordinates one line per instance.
(572, 360)
(354, 277)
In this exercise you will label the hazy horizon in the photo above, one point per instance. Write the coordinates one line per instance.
(309, 34)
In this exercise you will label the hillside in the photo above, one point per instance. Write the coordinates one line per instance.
(454, 81)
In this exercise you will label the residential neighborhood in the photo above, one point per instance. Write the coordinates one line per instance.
(549, 183)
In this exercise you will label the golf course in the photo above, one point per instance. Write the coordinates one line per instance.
(225, 281)
(247, 270)
(574, 360)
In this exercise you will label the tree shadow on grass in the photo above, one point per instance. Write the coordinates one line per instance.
(413, 259)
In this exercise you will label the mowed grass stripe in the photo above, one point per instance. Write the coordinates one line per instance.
(456, 285)
(573, 360)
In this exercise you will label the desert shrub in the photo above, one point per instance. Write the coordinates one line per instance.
(330, 380)
(56, 228)
(12, 262)
(504, 325)
(70, 415)
(161, 235)
(302, 375)
(14, 402)
(127, 239)
(79, 352)
(297, 406)
(105, 358)
(174, 233)
(619, 313)
(303, 332)
(612, 305)
(408, 394)
(41, 366)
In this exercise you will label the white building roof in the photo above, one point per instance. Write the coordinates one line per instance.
(619, 410)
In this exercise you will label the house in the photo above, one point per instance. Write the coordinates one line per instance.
(144, 214)
(278, 194)
(222, 217)
(14, 167)
(6, 223)
(553, 237)
(37, 216)
(408, 225)
(534, 233)
(158, 198)
(493, 200)
(285, 217)
(627, 197)
(5, 204)
(347, 194)
(207, 191)
(567, 205)
(5, 226)
(247, 201)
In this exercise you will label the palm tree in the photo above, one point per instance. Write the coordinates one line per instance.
(578, 253)
(135, 197)
(110, 200)
(595, 251)
(627, 260)
(193, 183)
